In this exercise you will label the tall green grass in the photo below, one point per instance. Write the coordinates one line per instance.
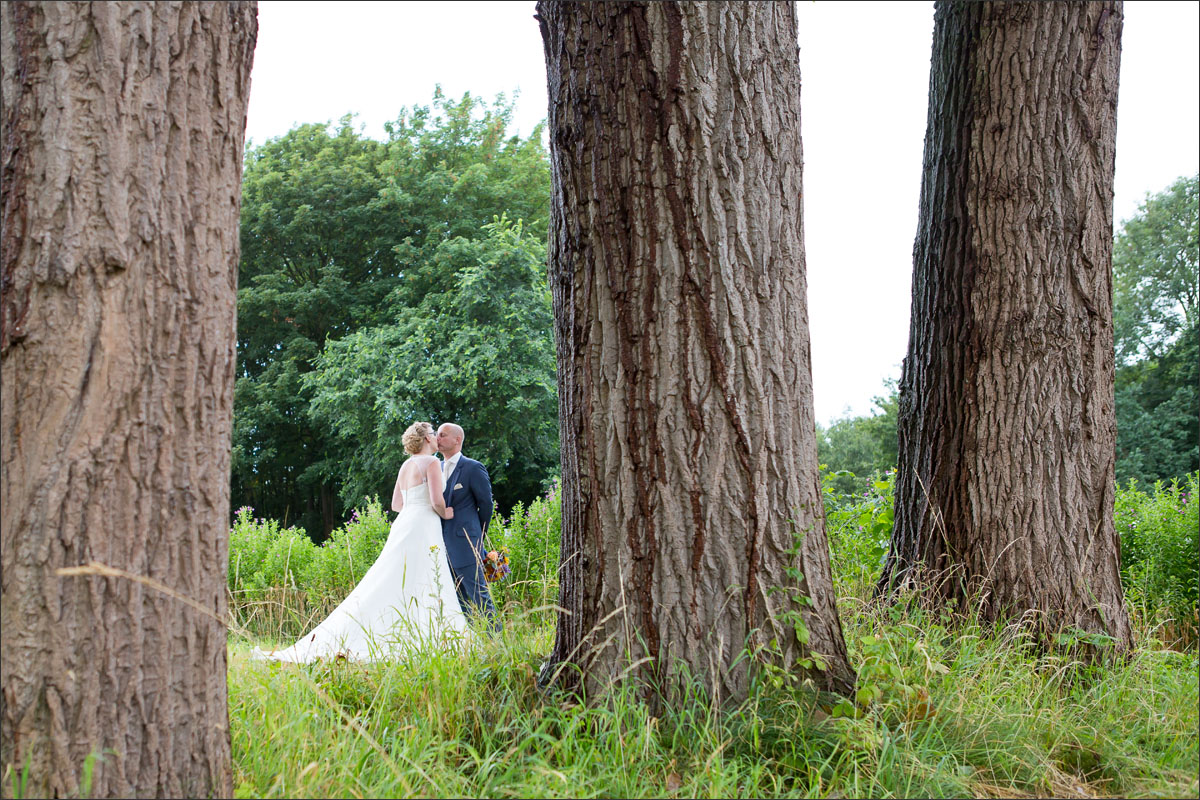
(281, 583)
(953, 710)
(945, 707)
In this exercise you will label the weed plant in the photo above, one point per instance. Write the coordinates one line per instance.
(532, 536)
(1160, 553)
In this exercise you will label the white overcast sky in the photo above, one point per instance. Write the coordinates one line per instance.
(865, 73)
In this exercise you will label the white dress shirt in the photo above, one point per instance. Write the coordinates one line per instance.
(449, 464)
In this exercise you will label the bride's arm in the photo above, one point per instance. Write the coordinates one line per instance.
(398, 494)
(433, 474)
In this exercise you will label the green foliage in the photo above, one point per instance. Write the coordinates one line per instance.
(1158, 533)
(262, 555)
(859, 527)
(944, 707)
(791, 619)
(1156, 272)
(279, 580)
(316, 262)
(894, 670)
(1156, 279)
(347, 554)
(479, 352)
(342, 234)
(947, 710)
(1158, 405)
(533, 537)
(857, 448)
(1160, 554)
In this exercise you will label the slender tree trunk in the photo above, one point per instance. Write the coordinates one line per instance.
(328, 519)
(1005, 489)
(692, 515)
(122, 149)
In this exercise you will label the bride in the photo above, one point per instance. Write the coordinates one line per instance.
(407, 596)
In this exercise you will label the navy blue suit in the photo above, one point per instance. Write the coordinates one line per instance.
(469, 492)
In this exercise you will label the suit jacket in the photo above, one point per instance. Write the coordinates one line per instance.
(469, 492)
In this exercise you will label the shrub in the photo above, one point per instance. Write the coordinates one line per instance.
(282, 567)
(268, 567)
(858, 526)
(263, 556)
(280, 581)
(533, 536)
(1160, 562)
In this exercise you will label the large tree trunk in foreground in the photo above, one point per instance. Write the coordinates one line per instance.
(691, 500)
(122, 150)
(1004, 495)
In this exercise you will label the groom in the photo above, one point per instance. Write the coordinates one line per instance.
(469, 493)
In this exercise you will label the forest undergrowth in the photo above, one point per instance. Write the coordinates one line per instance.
(948, 710)
(946, 706)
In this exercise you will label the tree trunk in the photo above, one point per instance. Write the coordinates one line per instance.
(692, 517)
(1004, 496)
(328, 518)
(122, 150)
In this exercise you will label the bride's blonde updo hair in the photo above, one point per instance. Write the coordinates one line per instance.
(414, 437)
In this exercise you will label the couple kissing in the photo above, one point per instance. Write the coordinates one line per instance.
(428, 580)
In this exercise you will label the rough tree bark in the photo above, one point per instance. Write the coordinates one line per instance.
(122, 147)
(1004, 495)
(677, 270)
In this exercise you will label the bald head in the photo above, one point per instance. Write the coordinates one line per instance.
(449, 439)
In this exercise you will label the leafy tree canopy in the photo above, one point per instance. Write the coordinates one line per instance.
(855, 448)
(478, 352)
(1156, 272)
(343, 235)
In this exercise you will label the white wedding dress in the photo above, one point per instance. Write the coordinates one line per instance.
(405, 601)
